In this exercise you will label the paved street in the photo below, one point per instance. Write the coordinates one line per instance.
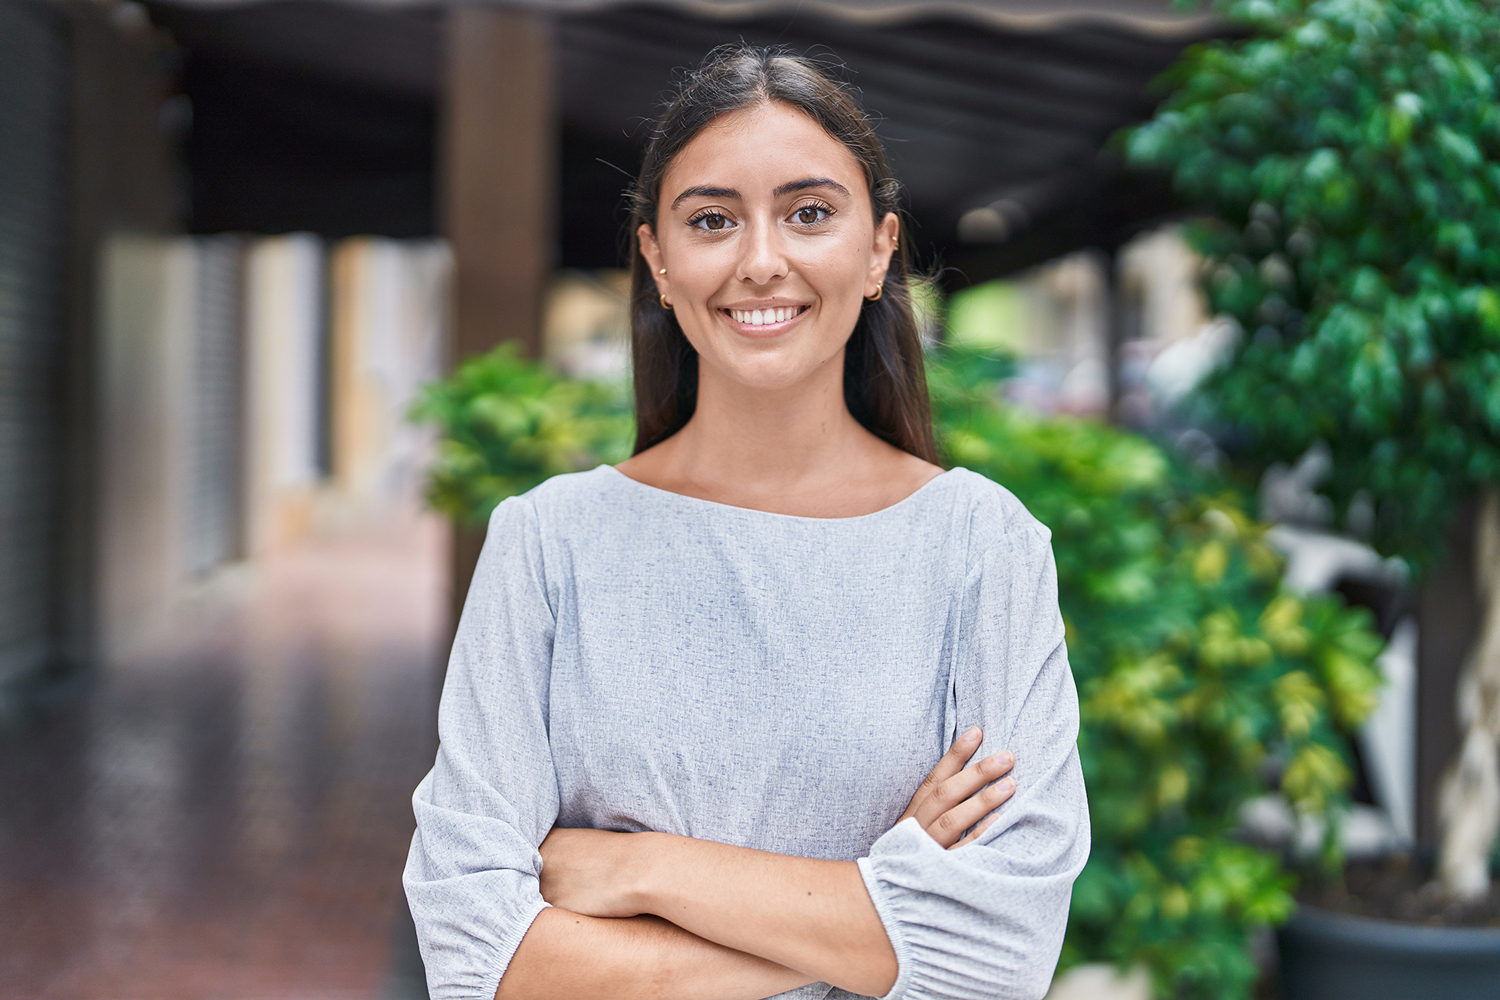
(227, 816)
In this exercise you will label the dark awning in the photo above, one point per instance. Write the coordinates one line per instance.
(995, 114)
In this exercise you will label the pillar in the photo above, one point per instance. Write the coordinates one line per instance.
(499, 191)
(499, 184)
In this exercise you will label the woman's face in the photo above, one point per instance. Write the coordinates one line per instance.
(766, 232)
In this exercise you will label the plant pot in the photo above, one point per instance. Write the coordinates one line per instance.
(1332, 956)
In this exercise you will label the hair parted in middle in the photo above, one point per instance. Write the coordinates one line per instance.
(885, 385)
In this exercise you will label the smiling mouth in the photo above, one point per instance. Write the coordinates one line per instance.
(765, 317)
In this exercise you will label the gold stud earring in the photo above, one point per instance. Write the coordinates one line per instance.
(662, 271)
(664, 303)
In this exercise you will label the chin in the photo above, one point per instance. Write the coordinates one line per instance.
(772, 373)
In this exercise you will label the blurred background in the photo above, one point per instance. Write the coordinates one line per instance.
(237, 238)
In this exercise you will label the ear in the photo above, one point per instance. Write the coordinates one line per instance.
(651, 251)
(880, 258)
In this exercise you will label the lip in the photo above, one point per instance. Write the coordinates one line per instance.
(768, 329)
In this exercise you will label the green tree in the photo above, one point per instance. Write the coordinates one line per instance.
(1349, 154)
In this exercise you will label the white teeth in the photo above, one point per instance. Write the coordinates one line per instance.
(764, 317)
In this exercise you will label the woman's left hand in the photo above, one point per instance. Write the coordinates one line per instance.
(591, 871)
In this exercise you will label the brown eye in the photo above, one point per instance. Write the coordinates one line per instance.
(811, 215)
(711, 222)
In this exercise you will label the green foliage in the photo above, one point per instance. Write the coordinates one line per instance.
(507, 424)
(1349, 151)
(1195, 672)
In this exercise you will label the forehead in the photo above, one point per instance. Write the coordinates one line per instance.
(758, 148)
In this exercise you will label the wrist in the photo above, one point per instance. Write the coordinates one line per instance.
(644, 885)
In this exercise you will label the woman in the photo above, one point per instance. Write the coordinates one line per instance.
(693, 698)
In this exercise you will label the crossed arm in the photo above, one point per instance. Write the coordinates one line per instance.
(662, 916)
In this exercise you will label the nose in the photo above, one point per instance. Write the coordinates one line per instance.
(763, 258)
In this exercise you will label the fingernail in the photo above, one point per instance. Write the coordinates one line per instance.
(972, 734)
(1005, 758)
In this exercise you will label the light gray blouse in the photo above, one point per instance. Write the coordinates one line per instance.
(633, 659)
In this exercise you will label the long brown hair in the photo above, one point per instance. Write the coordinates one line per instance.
(884, 383)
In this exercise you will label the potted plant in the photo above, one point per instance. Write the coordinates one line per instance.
(507, 423)
(1348, 152)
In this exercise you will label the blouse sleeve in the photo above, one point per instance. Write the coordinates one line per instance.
(471, 876)
(987, 920)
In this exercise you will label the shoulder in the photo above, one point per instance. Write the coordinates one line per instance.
(563, 500)
(530, 534)
(993, 517)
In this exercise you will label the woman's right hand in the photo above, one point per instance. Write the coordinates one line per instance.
(952, 798)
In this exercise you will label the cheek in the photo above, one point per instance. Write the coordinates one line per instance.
(838, 270)
(839, 281)
(838, 259)
(698, 269)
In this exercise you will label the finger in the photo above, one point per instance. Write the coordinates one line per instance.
(950, 826)
(975, 834)
(947, 766)
(962, 785)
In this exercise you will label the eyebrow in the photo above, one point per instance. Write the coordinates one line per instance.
(811, 182)
(705, 191)
(709, 191)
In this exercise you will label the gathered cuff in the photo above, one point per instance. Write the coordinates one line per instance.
(905, 837)
(509, 943)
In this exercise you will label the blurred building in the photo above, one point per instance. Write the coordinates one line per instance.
(170, 403)
(250, 389)
(82, 160)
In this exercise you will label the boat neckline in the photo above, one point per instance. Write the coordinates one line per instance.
(913, 495)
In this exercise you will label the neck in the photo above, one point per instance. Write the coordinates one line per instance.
(771, 439)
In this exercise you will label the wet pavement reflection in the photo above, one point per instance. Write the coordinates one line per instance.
(227, 815)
